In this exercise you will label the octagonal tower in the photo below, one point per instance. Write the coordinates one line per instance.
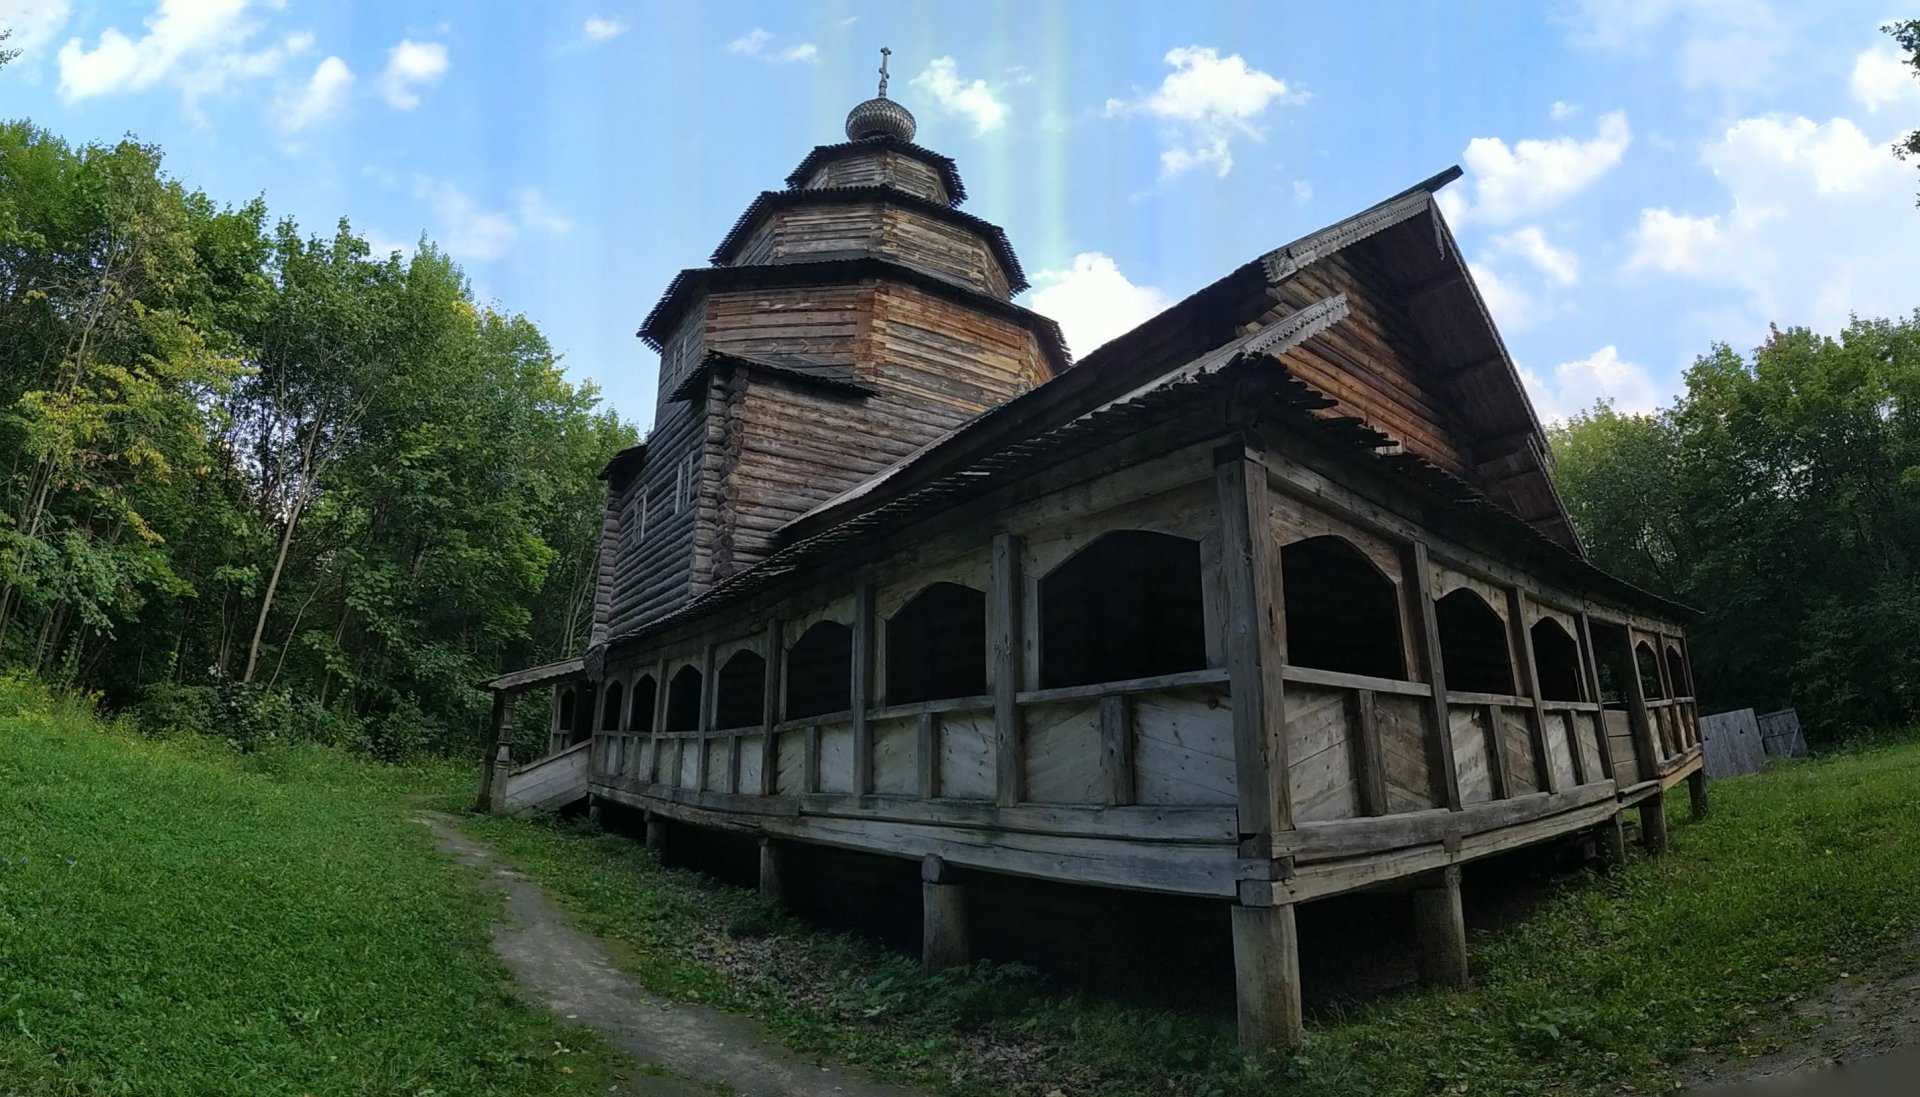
(845, 322)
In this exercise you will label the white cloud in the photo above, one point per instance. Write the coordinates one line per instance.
(324, 93)
(1818, 223)
(1576, 385)
(1513, 308)
(1534, 175)
(600, 28)
(1093, 302)
(754, 44)
(1881, 78)
(197, 47)
(1531, 244)
(538, 214)
(972, 100)
(411, 67)
(1207, 101)
(1734, 46)
(1561, 111)
(34, 23)
(1673, 242)
(1302, 191)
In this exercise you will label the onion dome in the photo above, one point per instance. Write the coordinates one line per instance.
(880, 116)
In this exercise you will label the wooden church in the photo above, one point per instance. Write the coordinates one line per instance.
(1267, 600)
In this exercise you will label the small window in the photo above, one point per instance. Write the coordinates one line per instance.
(820, 671)
(1126, 606)
(1473, 644)
(937, 645)
(683, 700)
(1343, 612)
(1557, 658)
(742, 691)
(645, 696)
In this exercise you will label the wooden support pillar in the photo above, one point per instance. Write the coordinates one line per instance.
(1640, 719)
(771, 886)
(709, 690)
(659, 722)
(1537, 722)
(1697, 792)
(1116, 748)
(1426, 637)
(861, 689)
(770, 711)
(1613, 841)
(1590, 671)
(1266, 976)
(1369, 761)
(498, 757)
(1441, 930)
(1653, 823)
(1003, 636)
(1256, 650)
(657, 833)
(944, 941)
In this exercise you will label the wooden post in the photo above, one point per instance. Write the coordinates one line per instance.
(861, 690)
(659, 721)
(772, 887)
(553, 724)
(1426, 636)
(927, 754)
(1441, 930)
(770, 709)
(1370, 763)
(1003, 612)
(498, 757)
(1613, 841)
(1640, 719)
(1653, 823)
(1266, 973)
(1549, 778)
(657, 833)
(1256, 650)
(708, 691)
(1591, 671)
(944, 941)
(1116, 748)
(1697, 792)
(1497, 775)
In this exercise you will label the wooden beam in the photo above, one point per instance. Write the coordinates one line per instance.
(1497, 774)
(1441, 930)
(708, 690)
(659, 719)
(1426, 635)
(1370, 763)
(861, 690)
(1451, 373)
(1591, 671)
(1549, 778)
(1266, 975)
(770, 708)
(1639, 718)
(927, 754)
(1256, 646)
(1116, 748)
(1004, 611)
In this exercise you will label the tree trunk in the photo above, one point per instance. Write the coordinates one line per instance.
(280, 560)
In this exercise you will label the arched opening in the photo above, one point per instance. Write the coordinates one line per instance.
(1611, 663)
(683, 700)
(1126, 606)
(742, 696)
(646, 694)
(1649, 666)
(1677, 672)
(1343, 613)
(1473, 644)
(1557, 658)
(937, 645)
(820, 671)
(610, 707)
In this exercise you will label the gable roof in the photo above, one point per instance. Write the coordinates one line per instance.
(1469, 363)
(826, 154)
(771, 200)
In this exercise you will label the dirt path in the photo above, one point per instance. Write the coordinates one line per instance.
(575, 976)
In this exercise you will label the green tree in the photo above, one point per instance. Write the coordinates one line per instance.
(1907, 33)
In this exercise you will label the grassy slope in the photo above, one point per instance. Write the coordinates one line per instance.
(1798, 876)
(177, 919)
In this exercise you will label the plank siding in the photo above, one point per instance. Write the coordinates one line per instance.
(808, 233)
(882, 169)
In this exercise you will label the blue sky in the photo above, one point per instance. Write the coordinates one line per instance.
(1643, 176)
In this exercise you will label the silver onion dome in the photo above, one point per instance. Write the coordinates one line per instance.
(880, 116)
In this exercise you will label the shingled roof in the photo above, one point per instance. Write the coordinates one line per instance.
(826, 154)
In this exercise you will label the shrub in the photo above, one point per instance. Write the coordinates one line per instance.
(170, 708)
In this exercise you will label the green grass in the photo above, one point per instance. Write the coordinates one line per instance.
(1798, 876)
(176, 918)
